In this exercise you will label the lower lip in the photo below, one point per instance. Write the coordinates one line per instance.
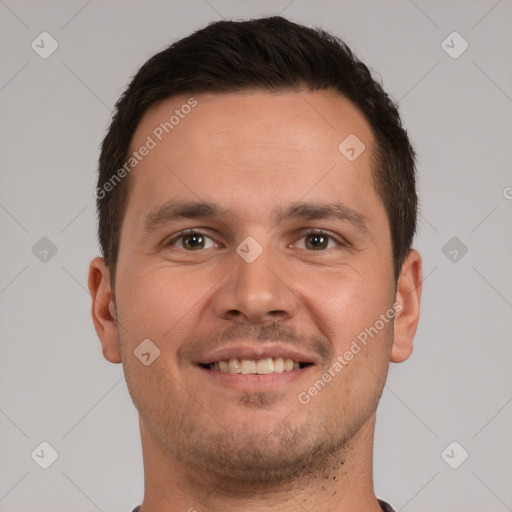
(252, 382)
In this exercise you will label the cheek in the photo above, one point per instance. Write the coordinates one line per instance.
(345, 303)
(161, 304)
(348, 308)
(361, 339)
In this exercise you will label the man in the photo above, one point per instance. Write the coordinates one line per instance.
(257, 207)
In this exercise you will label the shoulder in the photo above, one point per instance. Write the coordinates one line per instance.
(386, 507)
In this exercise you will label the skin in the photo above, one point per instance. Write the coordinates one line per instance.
(212, 444)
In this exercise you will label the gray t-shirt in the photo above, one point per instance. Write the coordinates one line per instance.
(386, 507)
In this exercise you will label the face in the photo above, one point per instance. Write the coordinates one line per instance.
(254, 255)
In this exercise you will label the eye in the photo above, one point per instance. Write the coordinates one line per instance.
(191, 240)
(318, 241)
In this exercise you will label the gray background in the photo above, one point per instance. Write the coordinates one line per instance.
(55, 385)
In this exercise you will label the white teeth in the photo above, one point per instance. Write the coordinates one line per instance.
(258, 367)
(278, 365)
(247, 366)
(265, 366)
(234, 366)
(288, 365)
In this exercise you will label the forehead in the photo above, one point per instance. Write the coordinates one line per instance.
(253, 149)
(282, 120)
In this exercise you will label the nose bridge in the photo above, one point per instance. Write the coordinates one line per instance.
(256, 288)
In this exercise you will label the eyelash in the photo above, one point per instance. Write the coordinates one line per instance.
(341, 242)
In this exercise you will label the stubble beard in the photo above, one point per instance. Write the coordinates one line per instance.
(244, 458)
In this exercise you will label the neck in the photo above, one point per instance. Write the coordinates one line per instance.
(344, 483)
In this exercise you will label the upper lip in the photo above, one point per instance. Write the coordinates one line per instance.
(259, 351)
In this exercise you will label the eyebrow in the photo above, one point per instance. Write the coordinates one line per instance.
(313, 211)
(173, 210)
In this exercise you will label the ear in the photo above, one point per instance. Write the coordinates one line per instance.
(103, 309)
(408, 297)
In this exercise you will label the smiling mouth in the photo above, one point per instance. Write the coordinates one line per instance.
(264, 366)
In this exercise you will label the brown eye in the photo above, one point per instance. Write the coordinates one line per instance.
(192, 241)
(317, 241)
(195, 241)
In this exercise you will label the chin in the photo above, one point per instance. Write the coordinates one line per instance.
(258, 453)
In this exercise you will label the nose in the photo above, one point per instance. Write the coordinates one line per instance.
(256, 291)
